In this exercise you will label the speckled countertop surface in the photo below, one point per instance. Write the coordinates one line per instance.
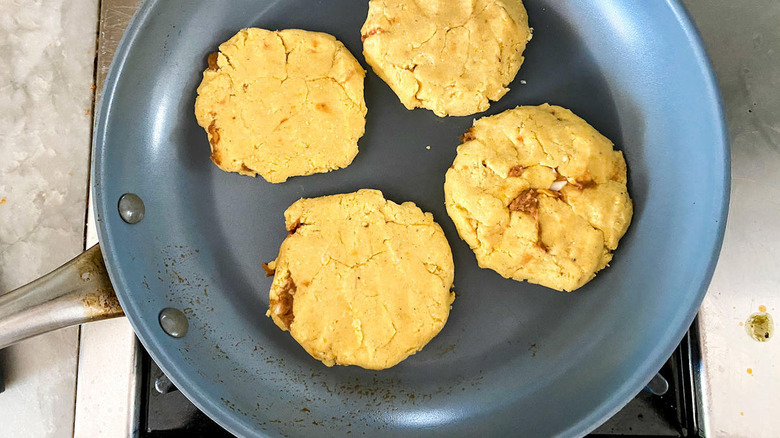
(45, 120)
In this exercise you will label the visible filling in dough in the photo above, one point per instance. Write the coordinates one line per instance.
(360, 280)
(539, 195)
(526, 202)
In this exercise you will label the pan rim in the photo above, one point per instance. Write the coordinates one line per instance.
(663, 351)
(227, 419)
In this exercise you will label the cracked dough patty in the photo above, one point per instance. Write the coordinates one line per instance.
(361, 280)
(282, 104)
(450, 56)
(539, 195)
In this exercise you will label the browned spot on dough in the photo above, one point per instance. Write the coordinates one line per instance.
(294, 227)
(314, 44)
(322, 107)
(282, 306)
(539, 242)
(371, 33)
(244, 168)
(213, 133)
(516, 171)
(526, 202)
(216, 157)
(468, 136)
(268, 271)
(2, 201)
(582, 185)
(213, 61)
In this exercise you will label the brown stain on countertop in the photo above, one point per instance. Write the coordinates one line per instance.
(760, 326)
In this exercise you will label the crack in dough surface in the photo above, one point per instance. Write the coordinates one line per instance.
(282, 104)
(450, 56)
(558, 239)
(372, 279)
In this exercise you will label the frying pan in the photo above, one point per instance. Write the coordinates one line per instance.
(514, 357)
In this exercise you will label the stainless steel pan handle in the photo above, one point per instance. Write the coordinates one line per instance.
(77, 292)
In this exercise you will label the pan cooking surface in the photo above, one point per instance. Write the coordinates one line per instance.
(513, 356)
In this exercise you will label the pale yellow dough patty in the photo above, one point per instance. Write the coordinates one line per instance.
(282, 104)
(539, 195)
(361, 280)
(450, 56)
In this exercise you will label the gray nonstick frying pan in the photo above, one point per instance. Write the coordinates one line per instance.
(514, 358)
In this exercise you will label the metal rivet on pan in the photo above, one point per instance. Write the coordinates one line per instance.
(174, 322)
(131, 208)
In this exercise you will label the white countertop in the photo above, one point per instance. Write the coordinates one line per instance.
(743, 382)
(44, 162)
(45, 120)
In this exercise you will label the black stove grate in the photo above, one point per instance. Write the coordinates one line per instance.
(166, 413)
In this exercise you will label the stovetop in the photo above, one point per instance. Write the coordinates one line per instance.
(667, 407)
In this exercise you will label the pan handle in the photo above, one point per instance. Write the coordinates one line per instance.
(77, 292)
